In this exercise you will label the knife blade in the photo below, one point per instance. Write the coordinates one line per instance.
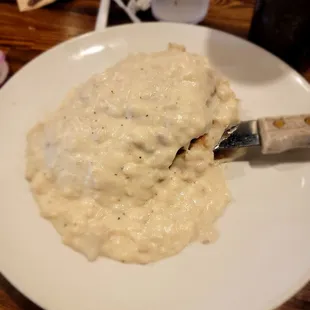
(272, 134)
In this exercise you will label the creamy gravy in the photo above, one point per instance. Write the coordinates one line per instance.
(102, 167)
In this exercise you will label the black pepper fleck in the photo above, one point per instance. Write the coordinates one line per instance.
(118, 218)
(140, 157)
(146, 115)
(122, 125)
(112, 91)
(115, 174)
(95, 112)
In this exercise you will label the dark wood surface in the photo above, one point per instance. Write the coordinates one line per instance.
(23, 36)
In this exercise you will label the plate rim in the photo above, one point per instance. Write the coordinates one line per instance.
(305, 83)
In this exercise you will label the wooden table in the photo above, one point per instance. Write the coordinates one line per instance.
(25, 35)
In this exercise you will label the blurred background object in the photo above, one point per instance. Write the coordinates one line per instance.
(4, 68)
(283, 28)
(180, 11)
(28, 5)
(102, 15)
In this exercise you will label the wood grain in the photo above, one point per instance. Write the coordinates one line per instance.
(25, 35)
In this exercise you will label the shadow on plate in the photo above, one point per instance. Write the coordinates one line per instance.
(257, 160)
(241, 62)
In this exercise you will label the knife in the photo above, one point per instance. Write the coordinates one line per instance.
(273, 134)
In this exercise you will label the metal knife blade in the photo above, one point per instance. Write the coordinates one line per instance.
(240, 135)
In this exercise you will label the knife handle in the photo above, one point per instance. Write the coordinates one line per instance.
(281, 134)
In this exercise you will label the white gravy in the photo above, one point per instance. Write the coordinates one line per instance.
(102, 166)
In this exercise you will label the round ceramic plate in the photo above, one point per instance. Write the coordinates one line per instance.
(262, 256)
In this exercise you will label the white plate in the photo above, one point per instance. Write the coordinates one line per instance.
(263, 254)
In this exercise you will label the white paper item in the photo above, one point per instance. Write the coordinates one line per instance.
(27, 5)
(102, 15)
